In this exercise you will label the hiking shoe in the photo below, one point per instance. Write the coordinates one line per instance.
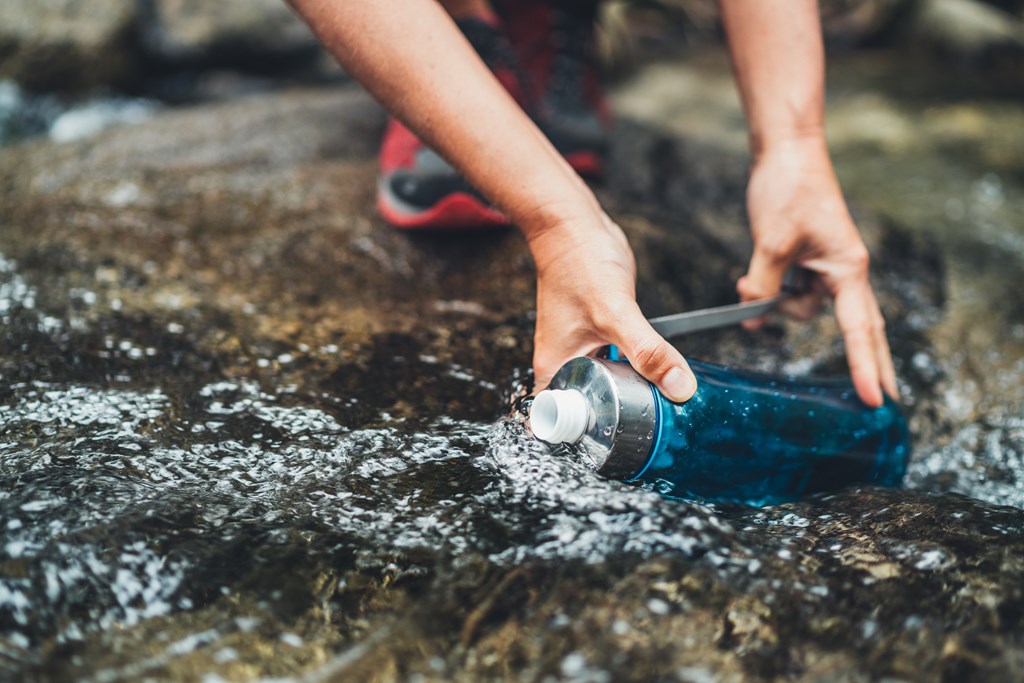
(554, 43)
(417, 187)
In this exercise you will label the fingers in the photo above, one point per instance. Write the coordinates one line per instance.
(882, 352)
(806, 305)
(867, 349)
(802, 307)
(799, 306)
(764, 277)
(653, 357)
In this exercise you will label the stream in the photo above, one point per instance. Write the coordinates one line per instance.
(248, 432)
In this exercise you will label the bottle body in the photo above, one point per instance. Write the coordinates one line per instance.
(744, 436)
(756, 439)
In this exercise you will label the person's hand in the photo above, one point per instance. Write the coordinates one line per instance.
(586, 298)
(798, 215)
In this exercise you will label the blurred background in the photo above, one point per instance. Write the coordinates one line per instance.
(68, 67)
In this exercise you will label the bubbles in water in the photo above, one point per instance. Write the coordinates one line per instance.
(983, 460)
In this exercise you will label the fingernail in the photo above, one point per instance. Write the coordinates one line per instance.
(679, 385)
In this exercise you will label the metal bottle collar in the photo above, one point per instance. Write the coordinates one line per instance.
(623, 414)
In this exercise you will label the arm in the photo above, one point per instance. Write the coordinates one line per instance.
(797, 212)
(413, 59)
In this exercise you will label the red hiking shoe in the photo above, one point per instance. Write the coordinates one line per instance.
(417, 187)
(554, 42)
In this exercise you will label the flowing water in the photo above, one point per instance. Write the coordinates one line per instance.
(164, 514)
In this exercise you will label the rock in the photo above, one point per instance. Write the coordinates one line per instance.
(248, 431)
(967, 28)
(277, 192)
(72, 46)
(23, 115)
(68, 45)
(238, 32)
(862, 21)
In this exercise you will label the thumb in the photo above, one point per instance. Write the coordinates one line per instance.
(654, 358)
(763, 279)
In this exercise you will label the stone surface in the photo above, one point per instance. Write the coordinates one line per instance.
(76, 47)
(968, 28)
(248, 430)
(234, 32)
(67, 44)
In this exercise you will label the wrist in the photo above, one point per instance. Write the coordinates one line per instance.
(552, 239)
(575, 240)
(550, 221)
(809, 140)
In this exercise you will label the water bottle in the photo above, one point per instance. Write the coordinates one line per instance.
(744, 437)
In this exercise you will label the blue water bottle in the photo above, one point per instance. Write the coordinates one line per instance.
(744, 436)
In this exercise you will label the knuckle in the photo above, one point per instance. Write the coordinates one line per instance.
(860, 260)
(746, 286)
(855, 331)
(777, 248)
(650, 355)
(752, 288)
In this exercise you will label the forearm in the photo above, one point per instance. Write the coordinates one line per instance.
(413, 59)
(779, 61)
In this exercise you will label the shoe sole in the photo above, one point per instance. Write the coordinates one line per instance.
(457, 211)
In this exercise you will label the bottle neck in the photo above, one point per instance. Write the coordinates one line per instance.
(621, 414)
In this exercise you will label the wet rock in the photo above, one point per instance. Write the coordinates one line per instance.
(248, 431)
(261, 212)
(268, 203)
(67, 44)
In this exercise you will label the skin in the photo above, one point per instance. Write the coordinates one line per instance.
(796, 208)
(413, 59)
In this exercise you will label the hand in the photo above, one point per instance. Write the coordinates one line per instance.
(586, 298)
(798, 215)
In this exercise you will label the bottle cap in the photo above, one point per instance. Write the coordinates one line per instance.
(605, 408)
(559, 416)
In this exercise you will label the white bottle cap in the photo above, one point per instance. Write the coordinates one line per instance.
(559, 416)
